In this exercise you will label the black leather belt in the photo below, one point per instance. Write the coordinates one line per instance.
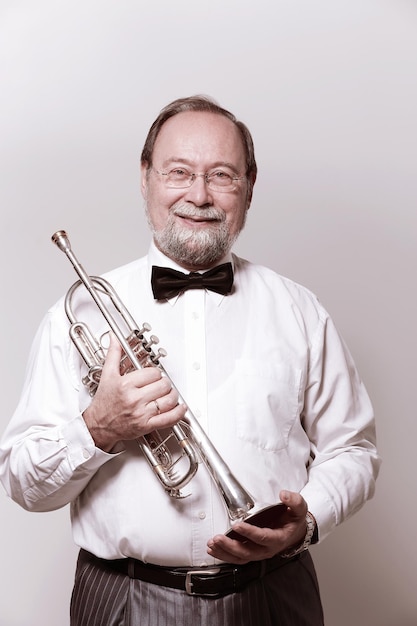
(212, 582)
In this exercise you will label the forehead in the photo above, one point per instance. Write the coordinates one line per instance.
(201, 137)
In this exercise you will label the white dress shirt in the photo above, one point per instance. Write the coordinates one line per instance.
(262, 369)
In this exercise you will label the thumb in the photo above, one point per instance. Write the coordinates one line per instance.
(111, 365)
(294, 502)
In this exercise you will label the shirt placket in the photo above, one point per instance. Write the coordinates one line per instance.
(196, 398)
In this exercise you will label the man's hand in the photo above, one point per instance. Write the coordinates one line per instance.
(263, 543)
(127, 407)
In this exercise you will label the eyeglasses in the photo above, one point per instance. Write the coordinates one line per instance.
(217, 180)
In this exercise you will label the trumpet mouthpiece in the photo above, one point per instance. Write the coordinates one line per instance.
(61, 240)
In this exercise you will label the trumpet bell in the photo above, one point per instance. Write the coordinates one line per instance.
(272, 516)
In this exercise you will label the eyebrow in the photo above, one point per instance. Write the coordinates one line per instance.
(189, 163)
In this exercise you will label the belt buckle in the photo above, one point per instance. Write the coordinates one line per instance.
(199, 572)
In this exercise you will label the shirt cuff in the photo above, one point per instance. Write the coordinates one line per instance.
(322, 509)
(81, 447)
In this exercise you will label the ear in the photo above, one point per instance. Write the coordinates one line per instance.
(144, 168)
(250, 192)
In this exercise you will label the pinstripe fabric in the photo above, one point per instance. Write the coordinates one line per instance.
(99, 597)
(288, 596)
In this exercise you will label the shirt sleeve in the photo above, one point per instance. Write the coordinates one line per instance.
(47, 455)
(338, 419)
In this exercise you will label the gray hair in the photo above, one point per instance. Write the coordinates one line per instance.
(200, 103)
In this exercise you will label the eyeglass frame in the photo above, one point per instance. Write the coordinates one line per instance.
(206, 175)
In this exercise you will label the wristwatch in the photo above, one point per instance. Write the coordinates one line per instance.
(308, 539)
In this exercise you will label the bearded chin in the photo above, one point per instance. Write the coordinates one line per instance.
(194, 248)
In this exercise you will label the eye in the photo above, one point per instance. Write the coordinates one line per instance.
(179, 174)
(220, 177)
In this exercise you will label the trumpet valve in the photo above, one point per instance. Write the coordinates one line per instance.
(158, 355)
(148, 343)
(145, 329)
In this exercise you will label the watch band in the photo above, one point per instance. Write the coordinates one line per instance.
(311, 526)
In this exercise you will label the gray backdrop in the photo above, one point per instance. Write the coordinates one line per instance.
(328, 88)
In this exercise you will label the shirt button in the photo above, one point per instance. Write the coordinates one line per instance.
(196, 365)
(86, 454)
(203, 564)
(202, 515)
(195, 315)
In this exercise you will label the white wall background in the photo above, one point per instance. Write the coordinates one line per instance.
(329, 90)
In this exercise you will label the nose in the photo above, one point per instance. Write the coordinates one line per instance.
(199, 192)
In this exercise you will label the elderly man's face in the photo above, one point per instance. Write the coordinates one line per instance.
(196, 225)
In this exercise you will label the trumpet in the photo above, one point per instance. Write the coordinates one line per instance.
(138, 352)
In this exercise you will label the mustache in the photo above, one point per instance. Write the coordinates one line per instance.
(188, 209)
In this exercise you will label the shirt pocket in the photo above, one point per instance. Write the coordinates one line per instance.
(267, 403)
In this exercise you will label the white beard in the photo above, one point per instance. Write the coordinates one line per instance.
(198, 248)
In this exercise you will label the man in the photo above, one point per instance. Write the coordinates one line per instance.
(260, 366)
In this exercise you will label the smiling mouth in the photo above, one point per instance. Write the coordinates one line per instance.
(194, 217)
(198, 219)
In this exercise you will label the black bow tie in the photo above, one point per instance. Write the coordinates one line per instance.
(167, 283)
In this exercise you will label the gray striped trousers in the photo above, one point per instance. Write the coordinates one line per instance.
(288, 596)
